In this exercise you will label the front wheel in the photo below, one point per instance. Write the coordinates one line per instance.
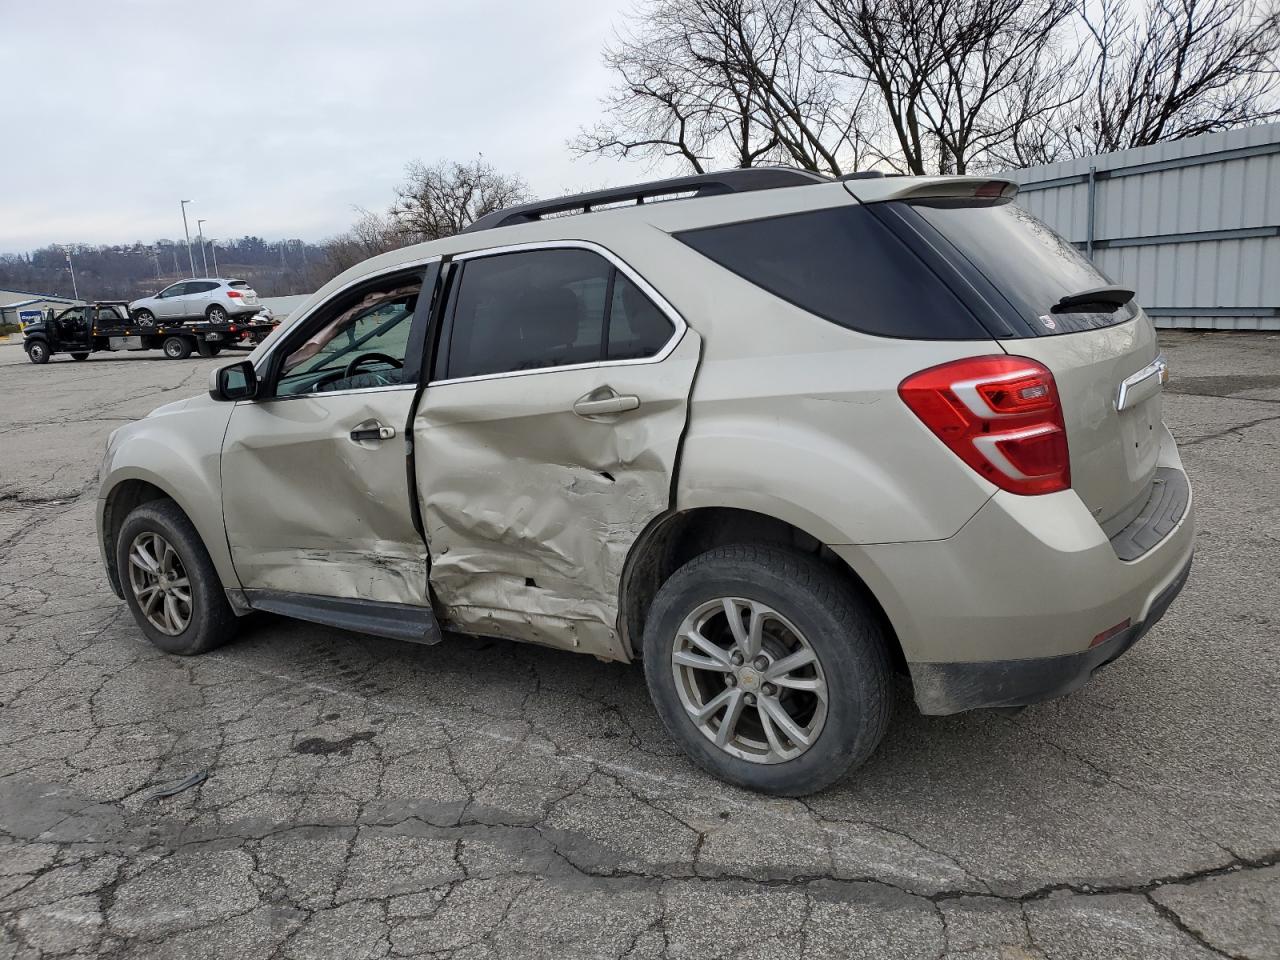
(177, 348)
(79, 356)
(169, 582)
(38, 352)
(145, 318)
(767, 668)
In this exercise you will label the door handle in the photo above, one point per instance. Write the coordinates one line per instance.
(373, 432)
(603, 403)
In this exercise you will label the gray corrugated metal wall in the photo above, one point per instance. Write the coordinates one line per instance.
(1193, 224)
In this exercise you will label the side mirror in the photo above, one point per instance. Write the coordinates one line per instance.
(236, 382)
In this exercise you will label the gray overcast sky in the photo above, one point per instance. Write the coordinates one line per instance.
(277, 117)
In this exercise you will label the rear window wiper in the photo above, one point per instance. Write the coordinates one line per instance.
(1113, 298)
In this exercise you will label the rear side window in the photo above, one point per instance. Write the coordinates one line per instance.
(844, 265)
(201, 286)
(1030, 264)
(549, 308)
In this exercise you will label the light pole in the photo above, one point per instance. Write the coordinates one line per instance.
(204, 256)
(213, 245)
(70, 266)
(190, 256)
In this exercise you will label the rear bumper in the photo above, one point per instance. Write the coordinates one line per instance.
(943, 688)
(1004, 612)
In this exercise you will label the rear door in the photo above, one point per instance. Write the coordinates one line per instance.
(1091, 347)
(195, 301)
(547, 440)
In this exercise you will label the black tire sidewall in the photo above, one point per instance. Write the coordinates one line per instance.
(184, 350)
(847, 638)
(38, 353)
(79, 356)
(211, 618)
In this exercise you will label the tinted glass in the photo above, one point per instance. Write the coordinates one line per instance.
(527, 311)
(1027, 261)
(175, 291)
(238, 285)
(845, 266)
(637, 328)
(201, 286)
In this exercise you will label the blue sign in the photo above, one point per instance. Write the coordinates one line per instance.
(29, 316)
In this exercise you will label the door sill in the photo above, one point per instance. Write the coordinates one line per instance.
(397, 621)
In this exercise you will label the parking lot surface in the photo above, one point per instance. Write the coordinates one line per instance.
(368, 798)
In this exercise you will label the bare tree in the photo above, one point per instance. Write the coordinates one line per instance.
(1176, 69)
(369, 236)
(715, 81)
(956, 79)
(442, 199)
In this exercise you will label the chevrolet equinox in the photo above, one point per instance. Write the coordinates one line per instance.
(774, 435)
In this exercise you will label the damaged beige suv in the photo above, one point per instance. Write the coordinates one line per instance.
(778, 437)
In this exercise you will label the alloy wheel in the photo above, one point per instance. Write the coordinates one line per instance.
(160, 583)
(750, 681)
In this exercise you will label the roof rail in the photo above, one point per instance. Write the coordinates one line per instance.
(700, 185)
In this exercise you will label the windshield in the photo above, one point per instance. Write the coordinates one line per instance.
(1027, 261)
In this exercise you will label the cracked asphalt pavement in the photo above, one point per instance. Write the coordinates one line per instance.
(479, 799)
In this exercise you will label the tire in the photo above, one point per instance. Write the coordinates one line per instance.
(176, 348)
(145, 318)
(210, 621)
(38, 351)
(808, 602)
(216, 314)
(79, 356)
(207, 349)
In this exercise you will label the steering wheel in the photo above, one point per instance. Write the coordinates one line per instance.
(355, 363)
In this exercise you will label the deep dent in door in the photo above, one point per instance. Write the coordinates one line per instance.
(550, 568)
(530, 511)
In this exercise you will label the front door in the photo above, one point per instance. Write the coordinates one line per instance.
(547, 441)
(168, 302)
(315, 476)
(72, 329)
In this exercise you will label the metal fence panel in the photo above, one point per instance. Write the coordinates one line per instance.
(1194, 225)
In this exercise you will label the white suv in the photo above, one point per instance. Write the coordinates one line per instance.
(212, 299)
(777, 438)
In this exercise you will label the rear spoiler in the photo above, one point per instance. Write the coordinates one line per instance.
(932, 188)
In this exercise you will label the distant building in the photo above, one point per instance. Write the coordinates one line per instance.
(21, 308)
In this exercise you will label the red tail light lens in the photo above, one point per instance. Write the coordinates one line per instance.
(1000, 415)
(234, 294)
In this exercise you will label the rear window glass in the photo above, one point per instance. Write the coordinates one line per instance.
(1030, 264)
(844, 265)
(238, 285)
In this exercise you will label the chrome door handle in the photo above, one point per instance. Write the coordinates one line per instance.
(372, 432)
(598, 404)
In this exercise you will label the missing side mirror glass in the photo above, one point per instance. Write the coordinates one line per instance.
(239, 381)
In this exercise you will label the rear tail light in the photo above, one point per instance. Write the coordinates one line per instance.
(1000, 415)
(235, 293)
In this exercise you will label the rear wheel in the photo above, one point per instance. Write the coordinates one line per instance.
(207, 349)
(79, 356)
(217, 314)
(177, 348)
(38, 351)
(767, 668)
(169, 581)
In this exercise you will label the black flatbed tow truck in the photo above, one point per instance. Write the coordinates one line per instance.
(108, 325)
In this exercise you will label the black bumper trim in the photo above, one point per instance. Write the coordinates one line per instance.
(945, 688)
